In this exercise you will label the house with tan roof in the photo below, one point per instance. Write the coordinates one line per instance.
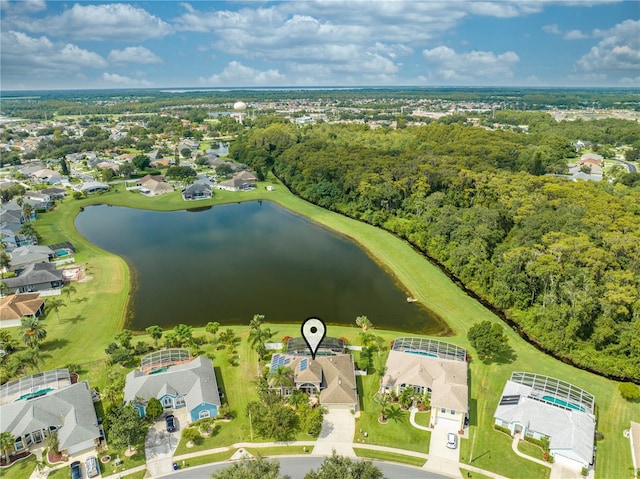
(17, 306)
(330, 378)
(434, 367)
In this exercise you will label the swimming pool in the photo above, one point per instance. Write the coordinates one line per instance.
(35, 394)
(61, 252)
(421, 353)
(562, 403)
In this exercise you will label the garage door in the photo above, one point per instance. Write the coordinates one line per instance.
(450, 424)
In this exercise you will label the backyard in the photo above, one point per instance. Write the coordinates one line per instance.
(96, 311)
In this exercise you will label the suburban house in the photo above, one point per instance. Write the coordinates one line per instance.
(45, 175)
(29, 254)
(540, 406)
(36, 277)
(175, 383)
(592, 161)
(38, 199)
(33, 407)
(55, 193)
(330, 376)
(17, 306)
(435, 367)
(197, 191)
(153, 185)
(91, 187)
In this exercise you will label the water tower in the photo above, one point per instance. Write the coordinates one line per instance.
(240, 107)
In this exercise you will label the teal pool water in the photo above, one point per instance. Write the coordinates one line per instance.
(61, 252)
(562, 403)
(36, 394)
(422, 353)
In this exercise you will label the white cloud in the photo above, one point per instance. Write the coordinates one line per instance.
(575, 35)
(618, 51)
(474, 67)
(552, 29)
(140, 55)
(121, 80)
(40, 57)
(115, 21)
(236, 74)
(22, 6)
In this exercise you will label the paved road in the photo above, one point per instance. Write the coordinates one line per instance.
(632, 168)
(297, 467)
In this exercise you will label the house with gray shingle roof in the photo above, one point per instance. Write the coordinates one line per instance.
(30, 254)
(539, 406)
(42, 406)
(36, 277)
(192, 385)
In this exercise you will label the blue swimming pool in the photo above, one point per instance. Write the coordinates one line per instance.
(421, 353)
(61, 252)
(562, 403)
(35, 394)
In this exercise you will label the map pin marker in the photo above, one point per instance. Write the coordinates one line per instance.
(313, 332)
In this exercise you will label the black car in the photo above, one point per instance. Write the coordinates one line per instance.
(76, 470)
(171, 423)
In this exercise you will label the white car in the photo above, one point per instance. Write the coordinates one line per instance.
(452, 440)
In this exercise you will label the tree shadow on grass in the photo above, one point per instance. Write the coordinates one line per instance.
(74, 320)
(506, 356)
(54, 344)
(80, 300)
(394, 413)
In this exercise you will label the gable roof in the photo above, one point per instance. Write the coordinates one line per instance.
(28, 254)
(70, 409)
(245, 175)
(195, 380)
(18, 305)
(447, 378)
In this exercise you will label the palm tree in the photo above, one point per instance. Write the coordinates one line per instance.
(156, 334)
(70, 289)
(257, 321)
(55, 304)
(257, 338)
(30, 357)
(32, 332)
(364, 323)
(282, 377)
(7, 440)
(382, 400)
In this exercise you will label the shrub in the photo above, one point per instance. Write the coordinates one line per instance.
(630, 391)
(502, 429)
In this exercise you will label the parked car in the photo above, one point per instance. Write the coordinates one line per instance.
(91, 465)
(452, 440)
(171, 423)
(76, 470)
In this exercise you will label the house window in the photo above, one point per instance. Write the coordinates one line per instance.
(529, 433)
(203, 414)
(453, 411)
(167, 402)
(443, 410)
(19, 445)
(180, 402)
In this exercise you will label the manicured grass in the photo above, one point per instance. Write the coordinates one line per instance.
(99, 312)
(422, 418)
(397, 432)
(279, 450)
(389, 456)
(531, 450)
(207, 459)
(20, 469)
(471, 474)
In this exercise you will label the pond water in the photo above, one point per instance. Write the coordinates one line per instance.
(230, 262)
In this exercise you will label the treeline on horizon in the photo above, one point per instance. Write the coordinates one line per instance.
(561, 259)
(44, 104)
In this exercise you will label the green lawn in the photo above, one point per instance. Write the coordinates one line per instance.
(20, 469)
(96, 312)
(531, 450)
(389, 456)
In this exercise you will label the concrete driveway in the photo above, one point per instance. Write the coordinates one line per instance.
(160, 445)
(338, 428)
(442, 459)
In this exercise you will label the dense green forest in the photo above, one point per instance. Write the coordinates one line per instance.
(560, 259)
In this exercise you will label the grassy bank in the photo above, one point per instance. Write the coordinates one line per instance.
(94, 314)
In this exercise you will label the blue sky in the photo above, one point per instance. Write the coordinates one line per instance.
(204, 44)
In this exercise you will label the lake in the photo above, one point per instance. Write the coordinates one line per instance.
(229, 262)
